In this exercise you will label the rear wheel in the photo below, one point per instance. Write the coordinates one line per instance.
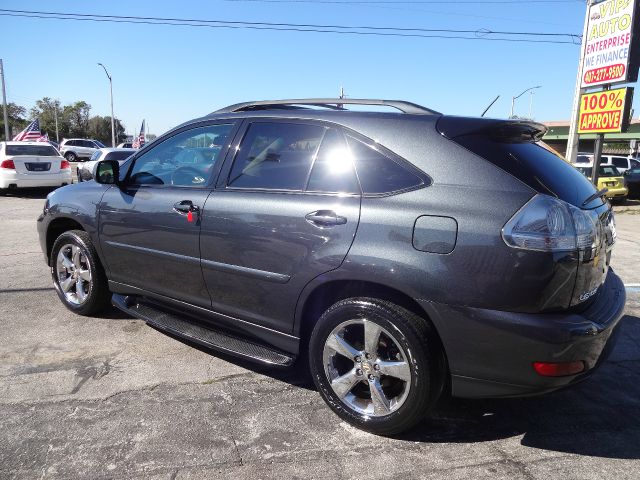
(78, 276)
(374, 364)
(70, 156)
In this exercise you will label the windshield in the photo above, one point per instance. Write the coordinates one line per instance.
(44, 150)
(99, 143)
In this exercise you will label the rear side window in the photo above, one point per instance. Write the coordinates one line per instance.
(333, 170)
(275, 156)
(620, 162)
(44, 150)
(378, 173)
(115, 155)
(535, 166)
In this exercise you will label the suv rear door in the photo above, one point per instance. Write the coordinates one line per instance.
(285, 210)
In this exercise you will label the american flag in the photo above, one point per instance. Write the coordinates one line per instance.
(43, 138)
(32, 132)
(139, 141)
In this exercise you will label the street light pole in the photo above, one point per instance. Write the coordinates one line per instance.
(4, 104)
(513, 99)
(113, 125)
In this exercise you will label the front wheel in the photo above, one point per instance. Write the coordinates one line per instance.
(375, 364)
(78, 276)
(70, 156)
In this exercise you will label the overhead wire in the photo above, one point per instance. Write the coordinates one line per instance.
(479, 34)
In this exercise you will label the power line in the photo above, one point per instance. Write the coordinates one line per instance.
(418, 2)
(480, 34)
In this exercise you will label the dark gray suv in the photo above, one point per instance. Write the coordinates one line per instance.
(402, 255)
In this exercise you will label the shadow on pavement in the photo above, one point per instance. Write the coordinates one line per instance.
(598, 417)
(34, 193)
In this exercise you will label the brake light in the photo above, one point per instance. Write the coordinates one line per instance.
(561, 369)
(548, 224)
(8, 164)
(64, 165)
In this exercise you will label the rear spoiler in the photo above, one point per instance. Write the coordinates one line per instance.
(509, 131)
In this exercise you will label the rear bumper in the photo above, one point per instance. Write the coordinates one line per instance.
(617, 192)
(491, 353)
(25, 180)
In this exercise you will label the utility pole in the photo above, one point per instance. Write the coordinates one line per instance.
(573, 140)
(55, 111)
(113, 125)
(4, 103)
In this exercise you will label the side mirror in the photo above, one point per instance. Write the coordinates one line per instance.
(107, 172)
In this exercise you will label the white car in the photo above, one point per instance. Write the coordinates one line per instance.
(79, 148)
(32, 164)
(621, 163)
(86, 171)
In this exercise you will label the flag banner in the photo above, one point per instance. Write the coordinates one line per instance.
(32, 132)
(138, 142)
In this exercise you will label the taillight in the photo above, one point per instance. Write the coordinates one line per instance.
(8, 164)
(558, 369)
(64, 165)
(551, 225)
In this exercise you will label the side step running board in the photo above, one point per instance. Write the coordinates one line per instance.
(189, 329)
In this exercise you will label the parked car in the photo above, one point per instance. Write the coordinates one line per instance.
(402, 254)
(79, 148)
(609, 178)
(125, 145)
(621, 163)
(32, 164)
(632, 180)
(86, 171)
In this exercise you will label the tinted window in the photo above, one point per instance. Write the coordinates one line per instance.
(377, 172)
(186, 159)
(275, 156)
(100, 144)
(620, 162)
(88, 144)
(634, 163)
(333, 170)
(583, 159)
(609, 171)
(71, 143)
(117, 155)
(535, 166)
(32, 150)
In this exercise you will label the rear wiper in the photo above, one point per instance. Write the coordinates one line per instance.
(599, 193)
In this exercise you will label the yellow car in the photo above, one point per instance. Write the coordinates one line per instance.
(609, 178)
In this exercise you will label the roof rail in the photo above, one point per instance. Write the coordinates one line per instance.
(332, 103)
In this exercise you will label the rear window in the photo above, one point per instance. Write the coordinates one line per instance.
(535, 166)
(609, 171)
(44, 150)
(118, 155)
(620, 162)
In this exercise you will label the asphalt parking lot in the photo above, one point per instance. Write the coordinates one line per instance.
(109, 397)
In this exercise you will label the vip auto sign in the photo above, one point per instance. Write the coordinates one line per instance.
(610, 53)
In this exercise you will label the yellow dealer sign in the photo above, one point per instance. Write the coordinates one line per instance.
(606, 111)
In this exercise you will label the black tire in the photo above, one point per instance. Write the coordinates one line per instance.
(420, 349)
(97, 293)
(70, 156)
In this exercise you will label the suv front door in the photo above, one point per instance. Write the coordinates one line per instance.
(273, 224)
(150, 226)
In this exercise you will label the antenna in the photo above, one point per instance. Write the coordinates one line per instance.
(490, 105)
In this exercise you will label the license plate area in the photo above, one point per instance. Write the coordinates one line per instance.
(38, 167)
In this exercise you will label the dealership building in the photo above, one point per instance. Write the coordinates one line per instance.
(627, 143)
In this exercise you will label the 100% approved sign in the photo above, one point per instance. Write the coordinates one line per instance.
(606, 111)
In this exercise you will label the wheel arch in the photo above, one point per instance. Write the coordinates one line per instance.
(322, 296)
(57, 227)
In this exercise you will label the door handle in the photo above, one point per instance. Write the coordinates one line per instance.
(185, 206)
(325, 218)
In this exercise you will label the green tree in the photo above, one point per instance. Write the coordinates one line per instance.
(46, 111)
(77, 117)
(16, 115)
(100, 129)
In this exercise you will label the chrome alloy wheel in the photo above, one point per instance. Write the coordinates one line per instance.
(367, 368)
(73, 273)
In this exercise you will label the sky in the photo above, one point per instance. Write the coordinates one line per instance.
(170, 74)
